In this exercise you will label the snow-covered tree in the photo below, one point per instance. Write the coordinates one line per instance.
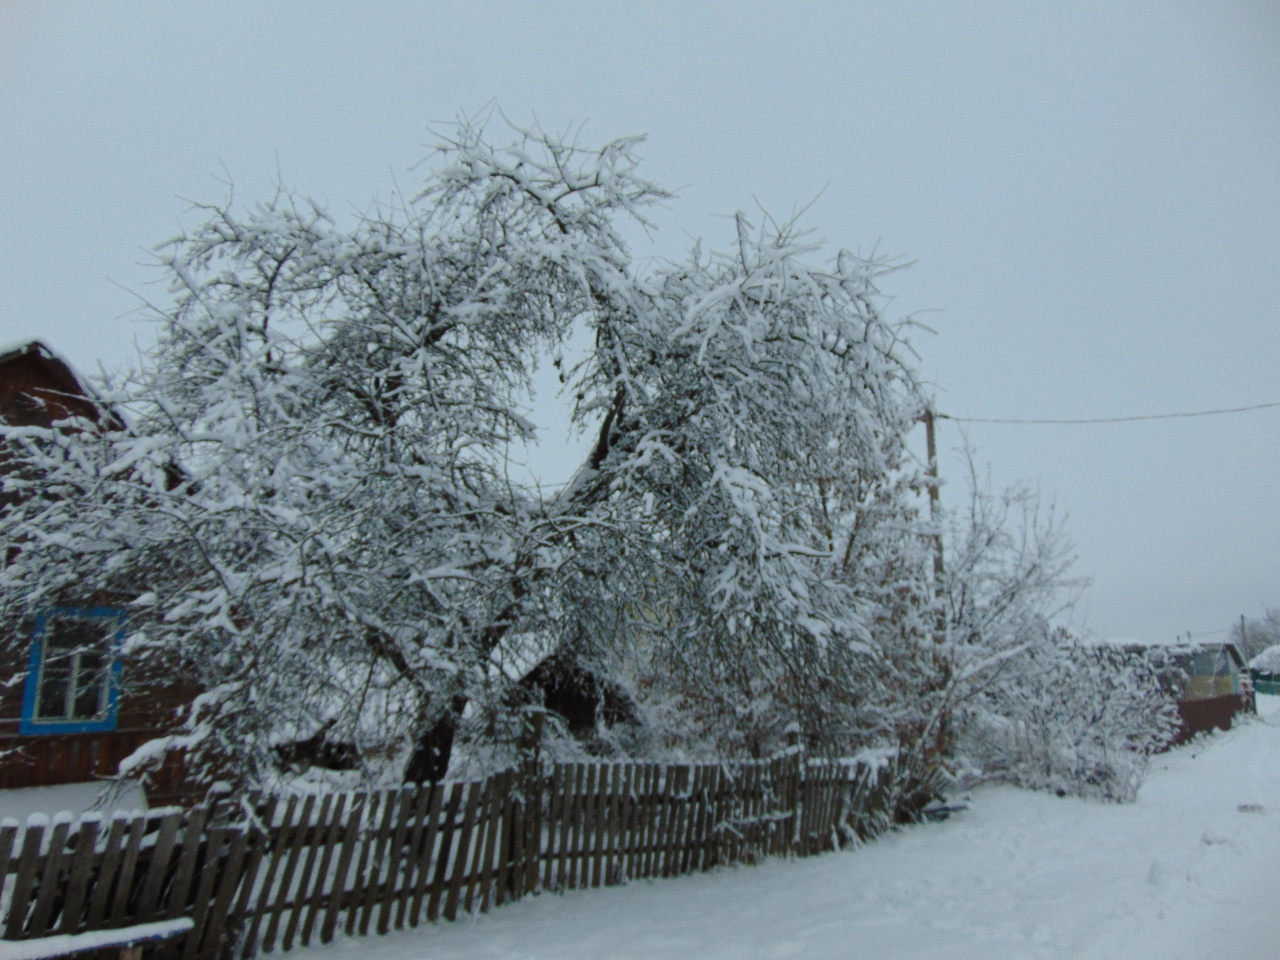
(310, 511)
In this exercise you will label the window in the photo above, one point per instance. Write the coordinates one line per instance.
(73, 676)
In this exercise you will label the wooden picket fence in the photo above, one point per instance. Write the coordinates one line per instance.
(276, 872)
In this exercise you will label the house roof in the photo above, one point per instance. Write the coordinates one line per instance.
(38, 387)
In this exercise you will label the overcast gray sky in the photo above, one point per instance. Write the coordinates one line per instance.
(1090, 193)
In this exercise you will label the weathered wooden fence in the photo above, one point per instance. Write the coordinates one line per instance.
(276, 872)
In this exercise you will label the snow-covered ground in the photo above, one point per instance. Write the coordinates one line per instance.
(1190, 871)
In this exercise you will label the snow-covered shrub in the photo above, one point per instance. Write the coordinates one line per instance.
(1070, 716)
(1016, 697)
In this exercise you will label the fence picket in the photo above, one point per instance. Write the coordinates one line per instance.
(529, 837)
(216, 918)
(426, 853)
(266, 896)
(191, 835)
(404, 798)
(364, 841)
(663, 825)
(260, 840)
(684, 806)
(53, 860)
(770, 795)
(413, 859)
(601, 817)
(396, 857)
(484, 814)
(77, 874)
(550, 849)
(102, 886)
(312, 831)
(448, 826)
(501, 788)
(567, 775)
(755, 808)
(522, 830)
(408, 796)
(695, 821)
(464, 849)
(373, 882)
(707, 848)
(213, 842)
(8, 833)
(296, 832)
(20, 902)
(587, 820)
(511, 821)
(613, 857)
(160, 855)
(337, 899)
(128, 866)
(323, 880)
(650, 812)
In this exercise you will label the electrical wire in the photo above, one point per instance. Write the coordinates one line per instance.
(1150, 416)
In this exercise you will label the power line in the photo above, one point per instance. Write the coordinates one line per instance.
(1150, 416)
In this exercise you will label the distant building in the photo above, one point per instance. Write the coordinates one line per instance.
(1265, 668)
(1209, 678)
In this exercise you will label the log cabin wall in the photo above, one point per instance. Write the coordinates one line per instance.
(38, 389)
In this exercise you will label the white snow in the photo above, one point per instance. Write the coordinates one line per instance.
(72, 798)
(62, 945)
(1189, 871)
(1268, 661)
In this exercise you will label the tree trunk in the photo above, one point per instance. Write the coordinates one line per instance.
(430, 759)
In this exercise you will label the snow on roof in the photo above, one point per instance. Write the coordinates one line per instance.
(1268, 661)
(21, 345)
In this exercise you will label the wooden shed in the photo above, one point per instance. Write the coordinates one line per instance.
(71, 706)
(1209, 679)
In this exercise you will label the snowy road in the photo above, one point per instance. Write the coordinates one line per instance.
(1190, 871)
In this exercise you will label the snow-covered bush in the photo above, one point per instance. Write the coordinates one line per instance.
(1072, 717)
(1018, 698)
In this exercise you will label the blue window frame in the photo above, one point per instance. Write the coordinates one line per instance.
(73, 674)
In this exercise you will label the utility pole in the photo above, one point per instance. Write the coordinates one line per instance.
(935, 510)
(931, 446)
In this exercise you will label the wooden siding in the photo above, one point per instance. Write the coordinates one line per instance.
(38, 389)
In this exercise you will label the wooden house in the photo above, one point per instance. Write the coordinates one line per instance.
(581, 698)
(71, 706)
